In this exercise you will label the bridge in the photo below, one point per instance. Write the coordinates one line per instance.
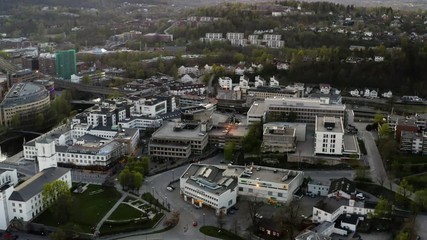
(27, 132)
(88, 88)
(7, 66)
(87, 102)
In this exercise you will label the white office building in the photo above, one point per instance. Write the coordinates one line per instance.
(218, 186)
(151, 107)
(329, 136)
(213, 186)
(271, 184)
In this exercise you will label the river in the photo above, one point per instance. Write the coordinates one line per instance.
(13, 146)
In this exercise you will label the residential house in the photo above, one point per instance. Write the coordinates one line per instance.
(259, 81)
(355, 93)
(225, 83)
(367, 93)
(325, 88)
(187, 79)
(282, 66)
(274, 82)
(379, 59)
(342, 188)
(373, 94)
(329, 209)
(388, 94)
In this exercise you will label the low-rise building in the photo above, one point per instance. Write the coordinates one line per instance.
(213, 186)
(329, 209)
(26, 200)
(219, 186)
(411, 142)
(177, 140)
(262, 92)
(306, 110)
(278, 139)
(342, 188)
(318, 188)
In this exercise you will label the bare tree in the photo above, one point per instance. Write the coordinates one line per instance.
(172, 220)
(381, 179)
(253, 210)
(289, 216)
(220, 220)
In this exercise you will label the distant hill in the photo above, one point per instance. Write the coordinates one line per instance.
(397, 4)
(8, 4)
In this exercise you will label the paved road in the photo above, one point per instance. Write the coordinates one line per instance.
(184, 230)
(377, 169)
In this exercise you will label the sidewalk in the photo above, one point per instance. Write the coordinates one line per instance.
(98, 226)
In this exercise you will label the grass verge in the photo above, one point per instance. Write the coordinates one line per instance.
(109, 228)
(91, 206)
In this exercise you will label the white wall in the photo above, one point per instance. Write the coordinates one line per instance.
(4, 214)
(318, 189)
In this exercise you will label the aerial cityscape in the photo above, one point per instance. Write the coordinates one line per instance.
(198, 119)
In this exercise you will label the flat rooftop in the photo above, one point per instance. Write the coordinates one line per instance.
(350, 143)
(275, 175)
(310, 103)
(257, 109)
(329, 124)
(177, 130)
(210, 178)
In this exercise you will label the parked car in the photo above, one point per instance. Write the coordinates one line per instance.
(194, 224)
(257, 215)
(231, 211)
(170, 188)
(360, 196)
(235, 208)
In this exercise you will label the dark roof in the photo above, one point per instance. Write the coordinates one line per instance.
(34, 185)
(342, 184)
(349, 218)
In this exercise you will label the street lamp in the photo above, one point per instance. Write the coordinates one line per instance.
(204, 235)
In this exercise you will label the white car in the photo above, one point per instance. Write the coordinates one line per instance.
(169, 188)
(360, 196)
(257, 215)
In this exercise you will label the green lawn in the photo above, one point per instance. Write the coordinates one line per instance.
(109, 228)
(223, 234)
(124, 212)
(90, 208)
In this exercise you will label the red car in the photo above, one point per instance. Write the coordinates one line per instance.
(194, 224)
